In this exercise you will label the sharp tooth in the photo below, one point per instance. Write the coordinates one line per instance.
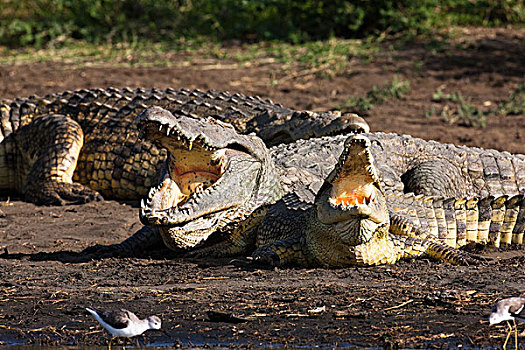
(160, 127)
(356, 202)
(190, 145)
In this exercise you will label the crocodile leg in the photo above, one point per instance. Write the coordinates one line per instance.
(288, 251)
(49, 147)
(384, 250)
(402, 226)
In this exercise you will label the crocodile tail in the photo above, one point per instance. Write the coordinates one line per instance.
(15, 113)
(490, 220)
(411, 247)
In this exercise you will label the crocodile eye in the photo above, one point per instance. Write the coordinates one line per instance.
(378, 144)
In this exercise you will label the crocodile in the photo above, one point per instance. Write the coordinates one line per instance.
(214, 215)
(353, 222)
(83, 145)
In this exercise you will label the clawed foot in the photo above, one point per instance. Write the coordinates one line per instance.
(469, 259)
(266, 257)
(199, 253)
(60, 193)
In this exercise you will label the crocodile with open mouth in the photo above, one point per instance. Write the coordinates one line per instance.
(354, 222)
(214, 212)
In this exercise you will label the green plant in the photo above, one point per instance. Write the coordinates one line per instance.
(395, 90)
(439, 96)
(459, 110)
(418, 67)
(43, 22)
(318, 58)
(515, 104)
(463, 112)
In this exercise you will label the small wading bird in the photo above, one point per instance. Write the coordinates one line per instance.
(506, 310)
(123, 323)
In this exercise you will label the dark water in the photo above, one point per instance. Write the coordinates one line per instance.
(194, 344)
(198, 342)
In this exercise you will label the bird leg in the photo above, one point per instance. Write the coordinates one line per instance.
(508, 335)
(515, 333)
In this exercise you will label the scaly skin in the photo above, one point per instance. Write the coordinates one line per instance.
(349, 223)
(78, 146)
(404, 162)
(419, 226)
(302, 166)
(496, 221)
(207, 159)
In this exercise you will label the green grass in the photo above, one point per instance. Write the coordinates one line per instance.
(460, 110)
(121, 54)
(323, 58)
(457, 110)
(515, 104)
(395, 90)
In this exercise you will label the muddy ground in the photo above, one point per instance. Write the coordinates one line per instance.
(419, 303)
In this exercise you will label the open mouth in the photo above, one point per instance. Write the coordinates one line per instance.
(352, 189)
(355, 181)
(359, 190)
(190, 170)
(202, 174)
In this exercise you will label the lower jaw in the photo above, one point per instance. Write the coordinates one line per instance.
(177, 242)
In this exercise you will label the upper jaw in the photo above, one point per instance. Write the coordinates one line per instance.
(206, 159)
(163, 128)
(352, 190)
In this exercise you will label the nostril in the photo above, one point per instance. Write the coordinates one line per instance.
(355, 123)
